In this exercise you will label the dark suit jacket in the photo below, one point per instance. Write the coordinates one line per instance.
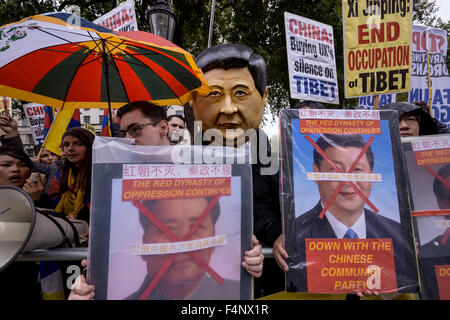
(432, 254)
(309, 225)
(208, 289)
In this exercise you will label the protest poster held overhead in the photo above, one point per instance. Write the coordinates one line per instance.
(352, 230)
(428, 62)
(377, 46)
(311, 59)
(122, 18)
(428, 163)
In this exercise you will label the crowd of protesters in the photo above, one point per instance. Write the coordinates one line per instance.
(65, 181)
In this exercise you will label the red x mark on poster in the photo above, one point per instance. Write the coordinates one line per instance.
(447, 232)
(437, 176)
(427, 155)
(354, 186)
(445, 183)
(174, 238)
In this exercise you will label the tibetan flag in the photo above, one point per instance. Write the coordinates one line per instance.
(63, 121)
(106, 130)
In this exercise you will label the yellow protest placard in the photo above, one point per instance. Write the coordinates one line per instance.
(377, 46)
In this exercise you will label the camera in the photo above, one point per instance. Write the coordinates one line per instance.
(34, 175)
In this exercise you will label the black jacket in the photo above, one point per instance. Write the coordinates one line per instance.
(266, 198)
(428, 125)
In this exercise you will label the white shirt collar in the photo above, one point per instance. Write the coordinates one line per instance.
(340, 229)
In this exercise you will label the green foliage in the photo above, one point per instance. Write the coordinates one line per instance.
(259, 24)
(13, 10)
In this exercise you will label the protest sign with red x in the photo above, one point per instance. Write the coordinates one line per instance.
(440, 212)
(174, 238)
(432, 151)
(434, 174)
(428, 152)
(341, 185)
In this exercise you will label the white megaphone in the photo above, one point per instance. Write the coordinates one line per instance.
(24, 227)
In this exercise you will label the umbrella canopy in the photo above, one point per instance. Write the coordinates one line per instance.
(47, 59)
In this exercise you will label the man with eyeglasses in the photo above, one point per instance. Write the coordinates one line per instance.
(145, 122)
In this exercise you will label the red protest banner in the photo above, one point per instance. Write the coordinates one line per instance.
(443, 281)
(433, 156)
(153, 189)
(349, 265)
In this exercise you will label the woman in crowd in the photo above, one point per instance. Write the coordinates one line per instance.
(48, 157)
(47, 163)
(15, 170)
(70, 189)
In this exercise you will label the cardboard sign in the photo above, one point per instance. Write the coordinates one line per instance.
(35, 115)
(377, 46)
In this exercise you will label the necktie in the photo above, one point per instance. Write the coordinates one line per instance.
(350, 234)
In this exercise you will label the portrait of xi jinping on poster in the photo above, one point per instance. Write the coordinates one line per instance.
(347, 226)
(178, 248)
(429, 185)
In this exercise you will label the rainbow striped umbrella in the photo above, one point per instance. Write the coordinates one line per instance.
(64, 61)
